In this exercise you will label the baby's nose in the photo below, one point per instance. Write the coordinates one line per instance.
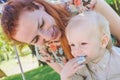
(76, 52)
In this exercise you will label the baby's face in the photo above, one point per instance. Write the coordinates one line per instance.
(84, 40)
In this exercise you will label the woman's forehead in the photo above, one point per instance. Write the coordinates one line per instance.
(27, 27)
(25, 33)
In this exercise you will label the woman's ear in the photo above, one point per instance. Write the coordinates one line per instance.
(41, 7)
(104, 41)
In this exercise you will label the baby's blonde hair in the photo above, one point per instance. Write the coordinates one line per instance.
(99, 20)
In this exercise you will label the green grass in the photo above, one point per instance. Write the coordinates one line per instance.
(41, 73)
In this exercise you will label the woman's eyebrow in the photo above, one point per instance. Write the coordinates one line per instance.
(38, 27)
(36, 37)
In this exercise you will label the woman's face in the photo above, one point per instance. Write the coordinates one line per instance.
(36, 28)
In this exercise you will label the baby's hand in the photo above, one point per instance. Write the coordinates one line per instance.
(81, 60)
(71, 67)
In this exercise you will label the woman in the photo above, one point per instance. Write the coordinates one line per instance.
(38, 23)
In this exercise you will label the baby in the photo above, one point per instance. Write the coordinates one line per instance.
(88, 35)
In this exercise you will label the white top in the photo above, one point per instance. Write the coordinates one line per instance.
(106, 69)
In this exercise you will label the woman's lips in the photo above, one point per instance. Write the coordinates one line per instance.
(54, 35)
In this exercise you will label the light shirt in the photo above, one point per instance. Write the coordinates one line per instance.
(106, 69)
(82, 74)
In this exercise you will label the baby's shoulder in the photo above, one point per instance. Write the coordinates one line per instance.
(115, 53)
(116, 50)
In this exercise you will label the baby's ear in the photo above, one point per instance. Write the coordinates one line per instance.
(104, 41)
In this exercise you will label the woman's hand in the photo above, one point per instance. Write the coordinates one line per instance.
(70, 68)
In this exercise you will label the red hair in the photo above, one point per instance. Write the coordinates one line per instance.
(13, 8)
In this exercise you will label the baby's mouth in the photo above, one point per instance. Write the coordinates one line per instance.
(82, 60)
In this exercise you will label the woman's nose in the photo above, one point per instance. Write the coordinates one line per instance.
(40, 42)
(44, 34)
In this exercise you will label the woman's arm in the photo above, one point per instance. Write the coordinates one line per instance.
(113, 18)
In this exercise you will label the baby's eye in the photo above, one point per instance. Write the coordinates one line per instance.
(72, 45)
(83, 43)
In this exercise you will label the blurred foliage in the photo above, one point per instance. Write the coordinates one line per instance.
(115, 4)
(7, 48)
(41, 73)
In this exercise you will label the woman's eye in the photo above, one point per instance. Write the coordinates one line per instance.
(36, 39)
(83, 43)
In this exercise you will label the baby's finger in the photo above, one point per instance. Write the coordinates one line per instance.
(79, 67)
